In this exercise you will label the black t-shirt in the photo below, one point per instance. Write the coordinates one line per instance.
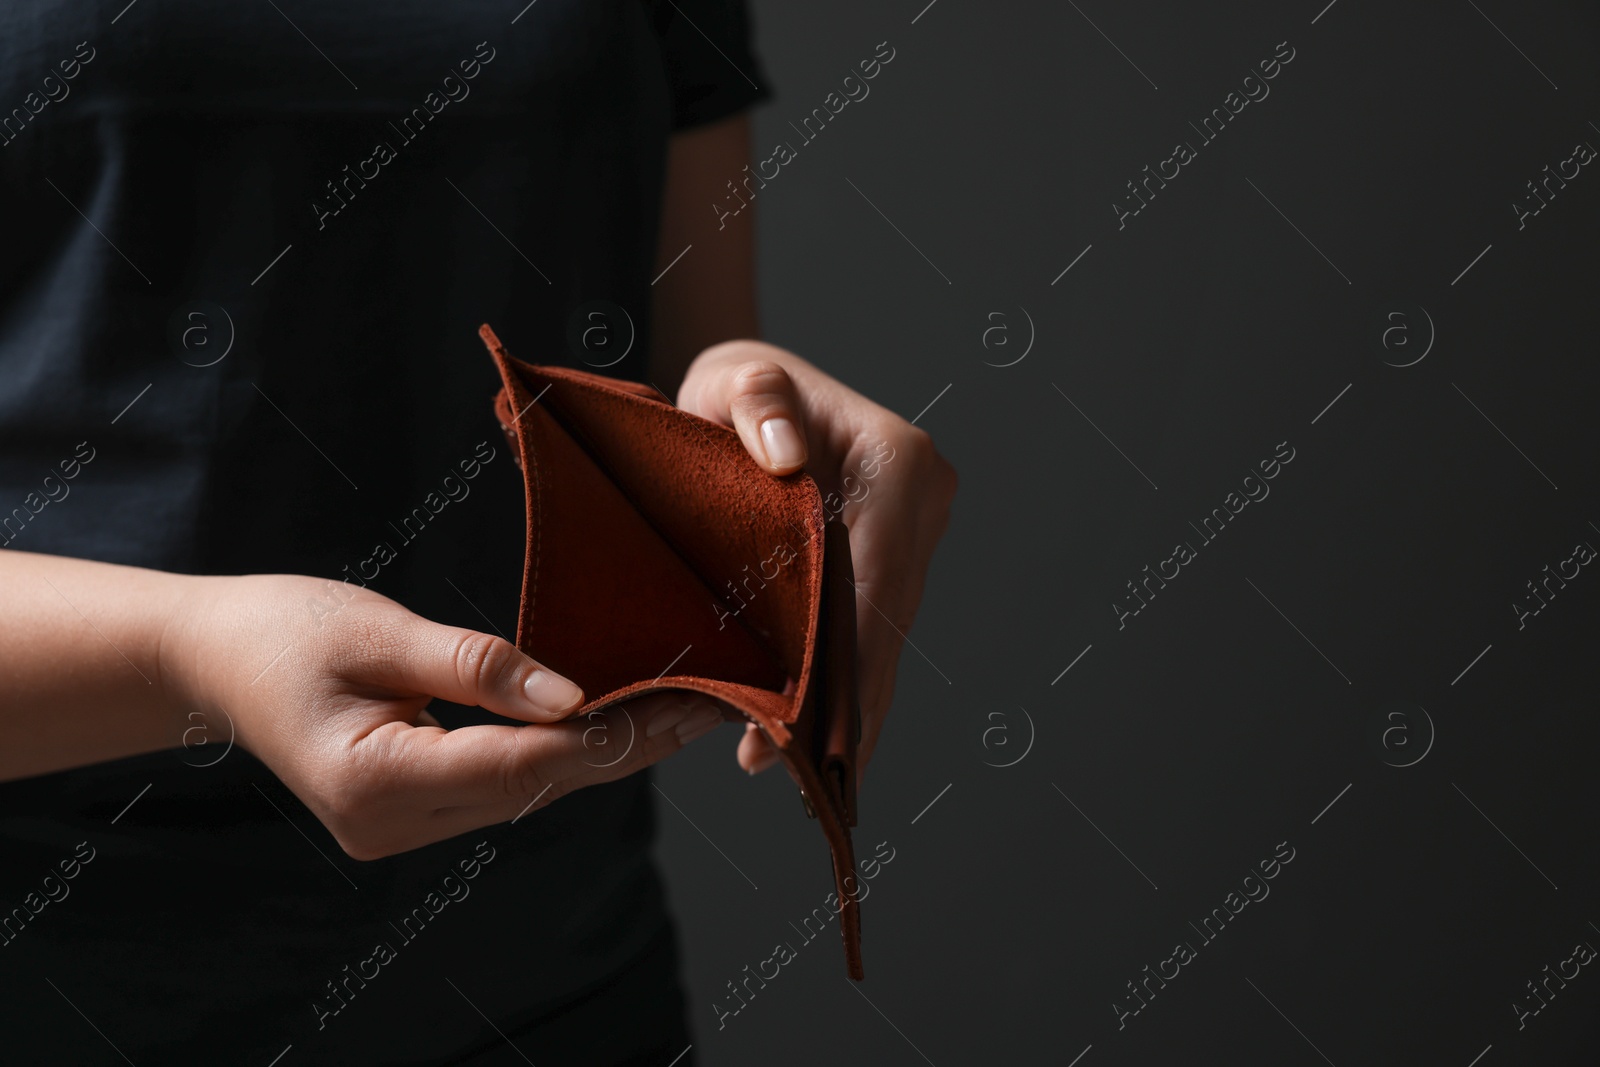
(244, 255)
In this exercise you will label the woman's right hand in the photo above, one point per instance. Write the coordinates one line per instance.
(328, 684)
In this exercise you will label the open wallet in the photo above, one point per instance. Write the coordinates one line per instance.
(660, 556)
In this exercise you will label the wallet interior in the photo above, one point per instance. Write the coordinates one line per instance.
(655, 559)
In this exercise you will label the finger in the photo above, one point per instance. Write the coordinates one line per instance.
(755, 753)
(425, 718)
(467, 667)
(880, 647)
(521, 780)
(757, 397)
(509, 766)
(884, 611)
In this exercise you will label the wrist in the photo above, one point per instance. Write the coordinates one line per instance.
(90, 675)
(181, 652)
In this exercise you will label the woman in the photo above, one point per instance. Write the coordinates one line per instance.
(259, 517)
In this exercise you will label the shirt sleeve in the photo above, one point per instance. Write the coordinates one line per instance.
(712, 68)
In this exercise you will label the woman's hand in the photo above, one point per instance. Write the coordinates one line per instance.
(893, 487)
(327, 684)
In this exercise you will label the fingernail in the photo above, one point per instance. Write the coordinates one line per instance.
(763, 761)
(666, 719)
(699, 723)
(551, 692)
(783, 444)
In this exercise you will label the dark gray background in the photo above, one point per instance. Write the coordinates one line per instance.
(1208, 731)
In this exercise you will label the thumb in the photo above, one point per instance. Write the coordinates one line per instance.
(757, 398)
(468, 667)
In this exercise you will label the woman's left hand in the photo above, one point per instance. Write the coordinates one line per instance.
(894, 487)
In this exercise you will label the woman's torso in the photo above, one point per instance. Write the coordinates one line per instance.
(258, 354)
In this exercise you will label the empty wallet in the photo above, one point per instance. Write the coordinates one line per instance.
(660, 556)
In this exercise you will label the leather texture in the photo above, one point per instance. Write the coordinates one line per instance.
(660, 556)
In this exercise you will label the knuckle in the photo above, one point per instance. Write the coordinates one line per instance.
(482, 660)
(754, 375)
(351, 793)
(931, 468)
(520, 782)
(917, 443)
(347, 805)
(760, 380)
(356, 795)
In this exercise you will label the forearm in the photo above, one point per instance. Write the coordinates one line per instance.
(707, 294)
(81, 672)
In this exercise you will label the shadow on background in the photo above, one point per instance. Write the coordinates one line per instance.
(1102, 743)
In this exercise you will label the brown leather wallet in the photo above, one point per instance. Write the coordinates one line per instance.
(660, 556)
